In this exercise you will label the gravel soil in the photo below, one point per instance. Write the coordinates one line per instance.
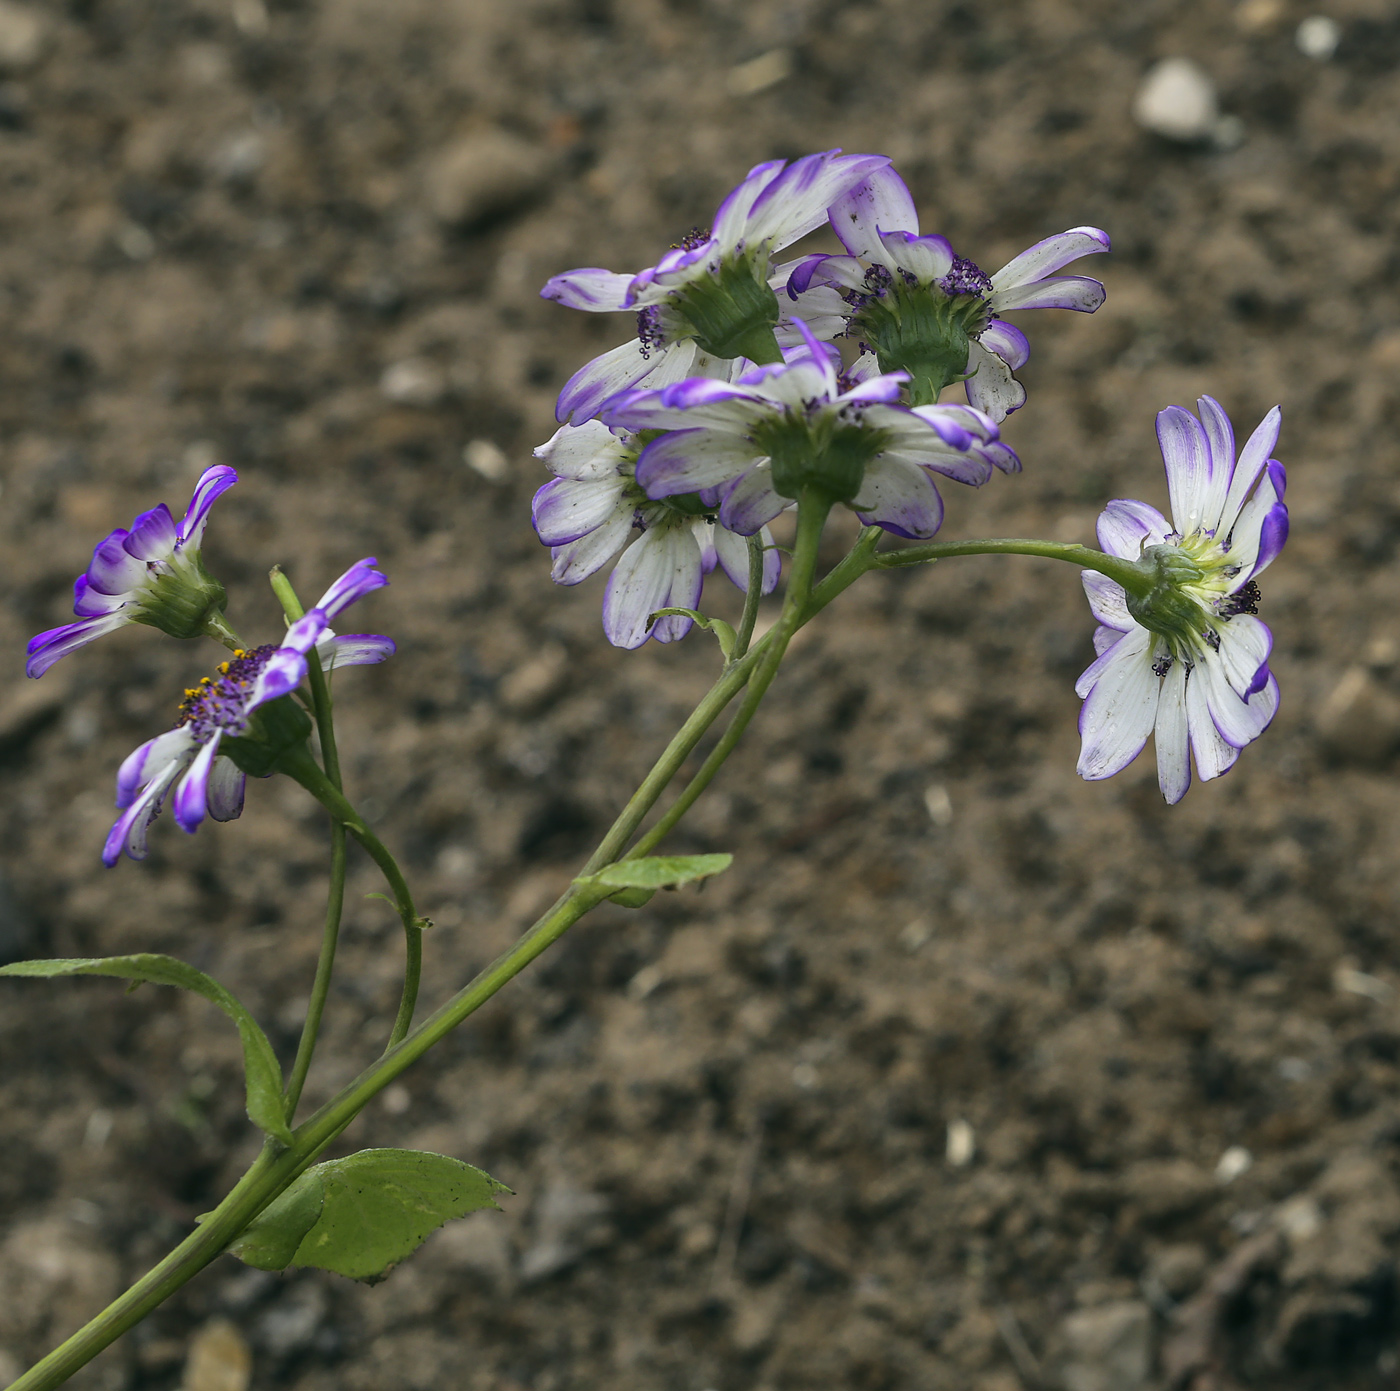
(305, 237)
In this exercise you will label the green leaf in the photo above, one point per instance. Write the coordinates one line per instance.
(632, 898)
(361, 1215)
(722, 630)
(264, 1076)
(661, 871)
(270, 1241)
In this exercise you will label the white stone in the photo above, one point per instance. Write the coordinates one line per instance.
(488, 459)
(1317, 37)
(1177, 100)
(24, 35)
(962, 1144)
(415, 381)
(1233, 1163)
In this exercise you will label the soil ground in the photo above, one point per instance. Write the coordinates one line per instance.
(250, 233)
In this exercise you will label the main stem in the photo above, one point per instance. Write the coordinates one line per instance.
(812, 510)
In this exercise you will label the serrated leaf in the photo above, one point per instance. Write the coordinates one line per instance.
(263, 1075)
(368, 1211)
(270, 1241)
(661, 871)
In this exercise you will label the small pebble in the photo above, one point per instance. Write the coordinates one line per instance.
(219, 1359)
(415, 381)
(1317, 37)
(488, 459)
(962, 1144)
(1177, 100)
(1233, 1163)
(24, 35)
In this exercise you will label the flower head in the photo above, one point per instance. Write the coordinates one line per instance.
(758, 443)
(234, 705)
(150, 574)
(926, 310)
(709, 296)
(1185, 657)
(594, 507)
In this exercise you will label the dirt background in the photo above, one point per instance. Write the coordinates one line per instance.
(285, 237)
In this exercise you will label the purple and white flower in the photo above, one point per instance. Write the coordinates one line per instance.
(1189, 661)
(757, 443)
(908, 295)
(702, 298)
(592, 508)
(187, 757)
(149, 574)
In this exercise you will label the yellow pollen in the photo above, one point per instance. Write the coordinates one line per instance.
(223, 668)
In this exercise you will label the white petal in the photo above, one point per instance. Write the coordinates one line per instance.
(579, 559)
(565, 510)
(1049, 255)
(1121, 709)
(1213, 755)
(991, 387)
(1258, 449)
(882, 203)
(1107, 600)
(900, 497)
(584, 452)
(1187, 456)
(1221, 435)
(1245, 644)
(1126, 526)
(598, 381)
(661, 570)
(226, 784)
(1173, 750)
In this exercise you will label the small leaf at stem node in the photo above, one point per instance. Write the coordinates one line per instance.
(361, 1215)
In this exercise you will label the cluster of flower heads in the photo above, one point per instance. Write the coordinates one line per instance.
(734, 398)
(153, 574)
(735, 361)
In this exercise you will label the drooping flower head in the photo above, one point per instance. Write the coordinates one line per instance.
(1186, 658)
(234, 710)
(927, 311)
(149, 574)
(594, 507)
(758, 443)
(708, 298)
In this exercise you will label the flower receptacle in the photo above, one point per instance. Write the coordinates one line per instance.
(920, 330)
(274, 742)
(732, 313)
(1161, 602)
(183, 600)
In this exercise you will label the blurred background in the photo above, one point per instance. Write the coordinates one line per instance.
(968, 1076)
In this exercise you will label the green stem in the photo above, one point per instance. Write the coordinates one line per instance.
(752, 595)
(276, 1169)
(301, 766)
(1135, 576)
(335, 897)
(325, 965)
(812, 510)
